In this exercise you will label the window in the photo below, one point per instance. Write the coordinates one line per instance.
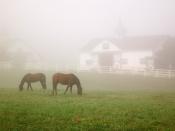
(146, 61)
(124, 61)
(89, 62)
(143, 61)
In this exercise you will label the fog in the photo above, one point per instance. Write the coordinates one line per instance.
(58, 29)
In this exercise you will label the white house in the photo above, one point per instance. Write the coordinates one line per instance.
(135, 53)
(137, 60)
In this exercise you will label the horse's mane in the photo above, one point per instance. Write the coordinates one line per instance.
(78, 84)
(23, 81)
(77, 79)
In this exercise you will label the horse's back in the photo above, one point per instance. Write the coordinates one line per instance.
(27, 75)
(71, 75)
(64, 78)
(34, 77)
(38, 74)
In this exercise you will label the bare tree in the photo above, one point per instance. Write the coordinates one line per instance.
(165, 57)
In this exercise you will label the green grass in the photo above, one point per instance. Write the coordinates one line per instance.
(109, 102)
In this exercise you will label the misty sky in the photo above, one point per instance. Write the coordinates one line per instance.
(62, 27)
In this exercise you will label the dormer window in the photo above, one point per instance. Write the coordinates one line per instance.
(106, 46)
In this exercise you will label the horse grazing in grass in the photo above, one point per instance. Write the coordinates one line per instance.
(66, 79)
(30, 78)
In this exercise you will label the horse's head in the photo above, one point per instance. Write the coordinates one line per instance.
(43, 81)
(20, 87)
(79, 88)
(80, 91)
(77, 81)
(44, 85)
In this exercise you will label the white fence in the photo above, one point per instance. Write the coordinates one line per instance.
(105, 69)
(150, 72)
(5, 65)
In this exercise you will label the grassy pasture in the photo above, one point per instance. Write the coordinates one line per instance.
(109, 102)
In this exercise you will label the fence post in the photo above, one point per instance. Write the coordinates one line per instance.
(169, 74)
(144, 73)
(156, 73)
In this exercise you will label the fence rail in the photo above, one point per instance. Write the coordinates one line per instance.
(151, 72)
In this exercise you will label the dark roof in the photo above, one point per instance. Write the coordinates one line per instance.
(138, 43)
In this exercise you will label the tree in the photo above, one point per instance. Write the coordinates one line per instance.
(4, 54)
(19, 59)
(165, 57)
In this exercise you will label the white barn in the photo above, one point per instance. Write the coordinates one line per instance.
(135, 53)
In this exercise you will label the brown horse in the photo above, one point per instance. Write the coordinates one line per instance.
(66, 79)
(30, 78)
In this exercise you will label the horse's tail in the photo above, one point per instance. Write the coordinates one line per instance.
(54, 82)
(44, 81)
(78, 86)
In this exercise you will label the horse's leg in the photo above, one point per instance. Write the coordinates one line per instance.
(31, 87)
(71, 89)
(41, 83)
(28, 85)
(54, 88)
(53, 92)
(66, 89)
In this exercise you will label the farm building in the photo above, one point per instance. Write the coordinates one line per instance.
(132, 53)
